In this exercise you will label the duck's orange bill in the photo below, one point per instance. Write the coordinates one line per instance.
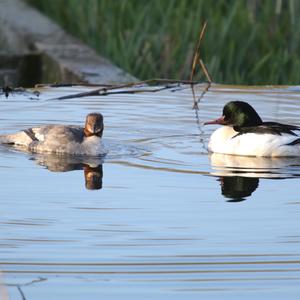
(220, 121)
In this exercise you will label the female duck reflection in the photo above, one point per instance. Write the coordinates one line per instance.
(92, 167)
(239, 175)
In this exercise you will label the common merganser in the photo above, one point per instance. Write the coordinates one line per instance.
(62, 139)
(246, 134)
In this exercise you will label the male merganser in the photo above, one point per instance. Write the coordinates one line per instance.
(246, 134)
(62, 139)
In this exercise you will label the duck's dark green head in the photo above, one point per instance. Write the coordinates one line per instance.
(238, 114)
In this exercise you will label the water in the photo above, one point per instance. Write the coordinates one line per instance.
(161, 218)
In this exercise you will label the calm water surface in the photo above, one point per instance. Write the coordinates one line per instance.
(161, 217)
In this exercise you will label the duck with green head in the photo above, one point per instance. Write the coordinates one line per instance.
(244, 133)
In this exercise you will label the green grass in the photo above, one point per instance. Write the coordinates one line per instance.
(246, 41)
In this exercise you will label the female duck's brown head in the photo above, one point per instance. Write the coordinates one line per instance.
(94, 125)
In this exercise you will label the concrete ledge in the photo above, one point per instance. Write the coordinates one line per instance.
(24, 30)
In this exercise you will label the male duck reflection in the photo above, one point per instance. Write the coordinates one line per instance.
(238, 188)
(239, 175)
(246, 134)
(62, 139)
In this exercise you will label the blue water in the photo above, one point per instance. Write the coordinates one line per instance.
(166, 219)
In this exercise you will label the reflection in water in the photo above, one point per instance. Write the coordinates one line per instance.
(239, 175)
(93, 177)
(93, 171)
(157, 239)
(237, 188)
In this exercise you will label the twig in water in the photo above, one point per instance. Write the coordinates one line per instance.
(104, 92)
(205, 71)
(57, 85)
(7, 91)
(197, 60)
(151, 81)
(21, 293)
(19, 286)
(197, 51)
(108, 90)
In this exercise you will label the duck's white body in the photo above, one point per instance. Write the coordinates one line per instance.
(252, 144)
(58, 139)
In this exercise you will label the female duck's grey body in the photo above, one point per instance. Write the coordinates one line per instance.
(246, 134)
(62, 139)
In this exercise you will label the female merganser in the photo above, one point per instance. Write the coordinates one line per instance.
(246, 134)
(62, 139)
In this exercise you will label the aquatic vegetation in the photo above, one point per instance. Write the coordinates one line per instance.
(247, 42)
